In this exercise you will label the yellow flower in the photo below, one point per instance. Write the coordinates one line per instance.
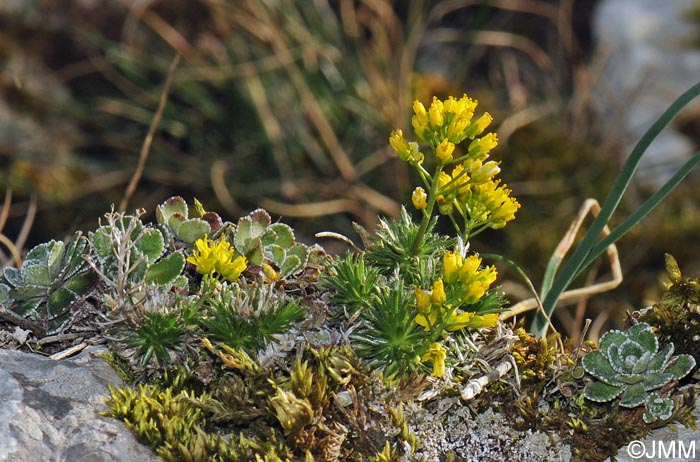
(420, 121)
(407, 152)
(476, 283)
(451, 265)
(460, 180)
(438, 296)
(477, 128)
(203, 257)
(472, 320)
(471, 264)
(430, 304)
(231, 269)
(481, 172)
(420, 198)
(427, 320)
(435, 114)
(399, 143)
(423, 301)
(505, 211)
(484, 320)
(444, 151)
(480, 147)
(451, 186)
(491, 205)
(460, 113)
(436, 353)
(217, 257)
(464, 273)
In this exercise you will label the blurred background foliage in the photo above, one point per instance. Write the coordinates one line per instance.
(288, 105)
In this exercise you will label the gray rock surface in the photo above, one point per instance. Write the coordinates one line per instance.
(49, 411)
(649, 63)
(679, 444)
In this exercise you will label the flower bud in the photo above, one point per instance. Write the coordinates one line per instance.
(444, 151)
(420, 198)
(435, 114)
(480, 147)
(478, 127)
(438, 296)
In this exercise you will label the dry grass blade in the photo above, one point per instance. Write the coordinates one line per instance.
(589, 206)
(145, 148)
(15, 247)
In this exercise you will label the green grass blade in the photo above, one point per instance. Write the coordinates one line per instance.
(643, 210)
(575, 264)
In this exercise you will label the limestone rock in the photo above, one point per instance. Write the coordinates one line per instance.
(649, 63)
(666, 444)
(49, 410)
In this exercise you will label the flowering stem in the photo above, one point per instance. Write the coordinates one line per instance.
(432, 197)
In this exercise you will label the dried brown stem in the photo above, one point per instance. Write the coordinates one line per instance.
(146, 147)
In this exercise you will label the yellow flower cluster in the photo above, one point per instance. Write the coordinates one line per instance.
(448, 121)
(467, 284)
(217, 257)
(490, 205)
(465, 273)
(468, 188)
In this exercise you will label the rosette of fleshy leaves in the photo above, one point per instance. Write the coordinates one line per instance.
(631, 365)
(463, 184)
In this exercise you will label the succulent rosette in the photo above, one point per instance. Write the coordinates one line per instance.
(631, 365)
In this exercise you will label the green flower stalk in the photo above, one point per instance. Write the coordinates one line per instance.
(462, 184)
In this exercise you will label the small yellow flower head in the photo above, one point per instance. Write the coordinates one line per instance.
(420, 198)
(435, 114)
(399, 143)
(438, 297)
(459, 114)
(481, 172)
(456, 129)
(506, 211)
(460, 321)
(423, 302)
(472, 320)
(419, 109)
(484, 320)
(217, 257)
(478, 127)
(203, 257)
(480, 147)
(444, 151)
(420, 121)
(464, 274)
(475, 285)
(436, 353)
(491, 204)
(408, 152)
(451, 265)
(231, 269)
(471, 264)
(443, 179)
